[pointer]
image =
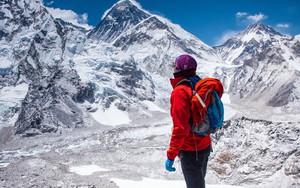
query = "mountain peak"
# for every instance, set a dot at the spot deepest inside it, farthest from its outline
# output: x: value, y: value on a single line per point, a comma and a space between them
x: 260, y: 28
x: 123, y: 15
x: 127, y: 3
x: 122, y: 5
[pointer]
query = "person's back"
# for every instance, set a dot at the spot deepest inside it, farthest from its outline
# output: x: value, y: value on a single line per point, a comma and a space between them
x: 193, y: 150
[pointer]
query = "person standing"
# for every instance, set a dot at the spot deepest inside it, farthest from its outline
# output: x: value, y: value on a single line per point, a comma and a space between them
x: 192, y: 149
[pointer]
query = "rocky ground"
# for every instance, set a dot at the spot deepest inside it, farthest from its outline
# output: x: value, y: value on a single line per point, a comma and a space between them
x: 46, y: 160
x: 247, y: 152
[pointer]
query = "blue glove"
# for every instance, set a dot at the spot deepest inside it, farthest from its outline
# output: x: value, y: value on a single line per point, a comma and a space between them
x: 169, y: 164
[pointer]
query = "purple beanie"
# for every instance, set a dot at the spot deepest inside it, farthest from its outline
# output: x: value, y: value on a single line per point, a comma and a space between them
x: 184, y: 62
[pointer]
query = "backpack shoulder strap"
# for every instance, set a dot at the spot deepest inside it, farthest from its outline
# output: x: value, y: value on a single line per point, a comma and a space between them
x: 182, y: 81
x: 199, y: 98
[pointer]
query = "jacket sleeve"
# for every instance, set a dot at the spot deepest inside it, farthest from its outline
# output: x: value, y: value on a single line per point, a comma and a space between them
x: 180, y: 112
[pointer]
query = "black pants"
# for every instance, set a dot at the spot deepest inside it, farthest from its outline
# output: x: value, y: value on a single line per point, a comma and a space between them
x: 194, y: 167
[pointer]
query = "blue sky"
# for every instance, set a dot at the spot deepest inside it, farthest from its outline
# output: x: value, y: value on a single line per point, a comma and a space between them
x: 212, y: 21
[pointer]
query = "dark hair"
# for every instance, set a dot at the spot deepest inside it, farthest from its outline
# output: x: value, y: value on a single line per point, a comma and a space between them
x: 185, y: 73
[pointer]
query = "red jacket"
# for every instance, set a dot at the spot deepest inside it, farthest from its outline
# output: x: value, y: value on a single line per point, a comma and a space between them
x: 182, y: 138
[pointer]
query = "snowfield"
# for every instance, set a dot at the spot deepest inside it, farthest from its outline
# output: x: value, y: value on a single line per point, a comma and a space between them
x: 86, y: 170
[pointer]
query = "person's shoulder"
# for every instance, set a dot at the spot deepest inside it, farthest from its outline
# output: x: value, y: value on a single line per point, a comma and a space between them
x: 182, y: 89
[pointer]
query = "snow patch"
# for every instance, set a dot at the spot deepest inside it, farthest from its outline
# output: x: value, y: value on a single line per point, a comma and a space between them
x: 149, y: 183
x: 10, y: 100
x: 111, y: 116
x: 226, y: 98
x: 153, y: 107
x: 86, y: 170
x: 5, y: 63
x: 14, y: 93
x: 297, y: 37
x: 3, y: 165
x: 229, y: 112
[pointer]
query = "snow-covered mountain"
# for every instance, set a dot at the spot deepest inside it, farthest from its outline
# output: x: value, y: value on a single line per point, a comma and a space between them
x: 37, y: 88
x: 120, y: 18
x: 135, y: 66
x: 268, y: 65
x: 151, y: 40
x: 39, y: 51
x: 112, y: 84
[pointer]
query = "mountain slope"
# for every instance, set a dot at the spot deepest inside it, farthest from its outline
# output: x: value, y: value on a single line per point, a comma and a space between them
x: 268, y: 67
x: 155, y: 43
x: 35, y: 45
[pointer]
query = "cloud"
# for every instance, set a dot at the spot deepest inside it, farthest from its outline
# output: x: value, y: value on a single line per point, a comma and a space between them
x: 84, y: 17
x: 247, y: 18
x: 283, y: 25
x: 284, y: 28
x: 225, y: 36
x: 71, y: 17
x: 50, y: 3
x: 257, y: 17
x: 241, y: 14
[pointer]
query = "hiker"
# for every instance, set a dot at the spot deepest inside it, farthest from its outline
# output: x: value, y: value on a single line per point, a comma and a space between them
x: 192, y: 149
